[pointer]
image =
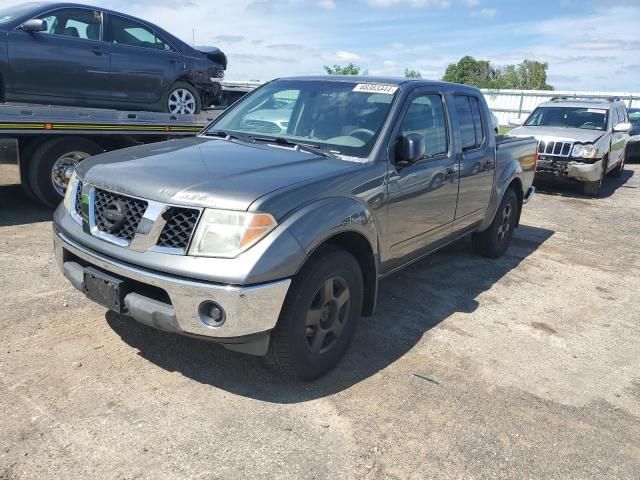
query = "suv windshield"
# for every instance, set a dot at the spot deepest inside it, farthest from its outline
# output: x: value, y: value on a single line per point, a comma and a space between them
x: 339, y: 117
x: 569, y: 117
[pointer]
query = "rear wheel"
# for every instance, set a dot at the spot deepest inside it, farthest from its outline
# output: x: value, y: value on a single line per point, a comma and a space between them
x: 182, y: 99
x: 319, y: 315
x: 52, y: 164
x: 495, y: 240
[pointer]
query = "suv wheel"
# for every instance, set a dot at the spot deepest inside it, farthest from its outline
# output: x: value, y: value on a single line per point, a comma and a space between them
x: 617, y: 172
x: 593, y: 189
x: 495, y: 240
x: 182, y: 99
x: 319, y: 315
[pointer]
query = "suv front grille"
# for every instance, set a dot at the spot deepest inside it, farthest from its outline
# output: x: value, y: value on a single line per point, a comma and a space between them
x: 179, y: 227
x: 132, y: 208
x: 554, y: 149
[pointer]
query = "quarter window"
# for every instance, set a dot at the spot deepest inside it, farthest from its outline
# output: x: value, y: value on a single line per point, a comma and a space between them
x: 129, y: 32
x: 470, y: 121
x: 425, y: 116
x: 74, y: 22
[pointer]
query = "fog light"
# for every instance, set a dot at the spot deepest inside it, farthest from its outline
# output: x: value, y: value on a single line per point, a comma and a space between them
x: 211, y: 314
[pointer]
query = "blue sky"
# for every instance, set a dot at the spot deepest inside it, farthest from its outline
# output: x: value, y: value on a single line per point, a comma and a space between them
x: 589, y: 45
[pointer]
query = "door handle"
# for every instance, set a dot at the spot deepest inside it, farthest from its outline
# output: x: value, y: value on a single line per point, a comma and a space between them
x: 99, y: 51
x: 174, y: 61
x: 451, y: 172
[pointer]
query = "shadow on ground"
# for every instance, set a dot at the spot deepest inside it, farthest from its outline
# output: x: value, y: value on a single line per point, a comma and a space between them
x: 410, y: 303
x: 568, y: 188
x: 17, y: 208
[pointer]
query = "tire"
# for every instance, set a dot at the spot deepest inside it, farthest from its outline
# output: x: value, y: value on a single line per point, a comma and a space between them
x: 617, y: 172
x: 179, y: 91
x: 593, y: 189
x: 314, y: 328
x: 47, y: 162
x: 495, y: 240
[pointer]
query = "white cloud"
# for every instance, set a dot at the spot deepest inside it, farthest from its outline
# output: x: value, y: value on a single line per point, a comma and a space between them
x: 413, y: 3
x: 327, y: 4
x: 347, y: 56
x: 485, y: 13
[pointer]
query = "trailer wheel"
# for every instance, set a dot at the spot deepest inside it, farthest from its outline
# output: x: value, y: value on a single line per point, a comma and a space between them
x: 52, y: 164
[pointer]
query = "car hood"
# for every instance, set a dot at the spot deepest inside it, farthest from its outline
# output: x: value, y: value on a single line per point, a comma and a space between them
x: 558, y: 133
x: 205, y: 172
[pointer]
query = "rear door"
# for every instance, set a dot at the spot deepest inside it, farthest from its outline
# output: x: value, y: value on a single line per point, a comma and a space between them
x: 618, y: 139
x: 69, y: 59
x: 477, y: 159
x: 143, y: 64
x: 422, y: 196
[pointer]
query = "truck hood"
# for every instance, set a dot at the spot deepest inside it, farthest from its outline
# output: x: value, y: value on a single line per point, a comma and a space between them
x: 559, y: 133
x: 205, y: 172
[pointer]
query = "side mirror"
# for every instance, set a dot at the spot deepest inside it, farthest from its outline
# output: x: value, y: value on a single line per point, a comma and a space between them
x: 34, y: 25
x: 413, y: 148
x: 623, y: 127
x: 516, y: 122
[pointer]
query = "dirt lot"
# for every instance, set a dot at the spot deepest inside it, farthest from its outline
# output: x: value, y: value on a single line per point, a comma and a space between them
x: 525, y: 367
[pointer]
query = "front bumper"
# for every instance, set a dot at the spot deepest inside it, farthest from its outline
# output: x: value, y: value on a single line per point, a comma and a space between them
x: 249, y: 311
x: 584, y: 172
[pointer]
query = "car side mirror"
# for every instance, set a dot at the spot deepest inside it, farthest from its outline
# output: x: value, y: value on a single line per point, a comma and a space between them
x: 34, y: 25
x: 623, y: 127
x: 516, y: 122
x: 412, y: 148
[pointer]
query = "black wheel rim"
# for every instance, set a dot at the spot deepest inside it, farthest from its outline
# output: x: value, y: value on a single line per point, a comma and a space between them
x: 505, y: 222
x: 327, y: 316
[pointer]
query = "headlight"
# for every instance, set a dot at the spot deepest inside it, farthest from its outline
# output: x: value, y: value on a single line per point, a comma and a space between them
x: 584, y: 151
x: 225, y: 233
x: 68, y: 194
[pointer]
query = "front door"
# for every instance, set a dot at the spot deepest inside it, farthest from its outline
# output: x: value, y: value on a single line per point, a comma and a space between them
x: 422, y: 196
x: 143, y: 65
x: 67, y: 60
x: 477, y: 160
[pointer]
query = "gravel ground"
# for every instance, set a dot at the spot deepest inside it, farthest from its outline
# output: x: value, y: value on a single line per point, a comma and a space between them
x: 524, y: 367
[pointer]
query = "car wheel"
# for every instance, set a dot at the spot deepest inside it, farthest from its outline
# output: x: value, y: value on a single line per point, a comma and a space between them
x: 319, y: 315
x: 617, y: 172
x: 593, y: 189
x: 182, y: 99
x: 52, y: 164
x: 495, y: 240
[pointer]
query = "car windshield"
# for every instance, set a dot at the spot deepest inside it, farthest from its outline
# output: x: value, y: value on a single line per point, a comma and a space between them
x: 342, y: 118
x: 569, y: 117
x: 8, y: 14
x: 634, y: 116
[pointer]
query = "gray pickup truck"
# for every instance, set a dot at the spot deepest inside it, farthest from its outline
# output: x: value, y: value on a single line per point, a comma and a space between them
x: 269, y: 231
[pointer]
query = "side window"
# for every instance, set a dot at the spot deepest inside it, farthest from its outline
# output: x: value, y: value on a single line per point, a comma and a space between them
x: 426, y: 117
x: 129, y: 32
x: 470, y: 120
x: 74, y: 22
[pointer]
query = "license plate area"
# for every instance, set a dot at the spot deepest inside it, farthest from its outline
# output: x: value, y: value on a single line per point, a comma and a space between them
x: 105, y: 289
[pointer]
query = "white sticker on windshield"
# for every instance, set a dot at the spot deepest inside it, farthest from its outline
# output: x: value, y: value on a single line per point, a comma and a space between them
x: 375, y: 88
x: 596, y: 110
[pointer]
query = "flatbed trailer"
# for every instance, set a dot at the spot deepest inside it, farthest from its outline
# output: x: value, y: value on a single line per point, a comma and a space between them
x: 40, y: 144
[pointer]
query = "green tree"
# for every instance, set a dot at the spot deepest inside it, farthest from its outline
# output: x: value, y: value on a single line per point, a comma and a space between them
x: 350, y: 69
x: 470, y: 71
x: 412, y: 73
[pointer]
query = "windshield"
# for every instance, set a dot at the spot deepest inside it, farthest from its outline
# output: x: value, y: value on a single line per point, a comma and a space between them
x: 569, y: 117
x: 634, y: 116
x: 339, y: 117
x: 11, y: 13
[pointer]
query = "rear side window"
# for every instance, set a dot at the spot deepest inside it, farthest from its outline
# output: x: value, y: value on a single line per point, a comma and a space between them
x: 129, y: 32
x: 470, y: 120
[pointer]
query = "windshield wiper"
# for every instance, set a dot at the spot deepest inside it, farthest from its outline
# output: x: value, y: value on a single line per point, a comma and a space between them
x: 229, y: 135
x: 308, y: 147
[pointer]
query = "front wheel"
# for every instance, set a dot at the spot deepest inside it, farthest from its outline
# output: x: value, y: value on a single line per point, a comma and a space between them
x: 319, y: 315
x: 182, y: 99
x: 495, y: 240
x: 617, y: 172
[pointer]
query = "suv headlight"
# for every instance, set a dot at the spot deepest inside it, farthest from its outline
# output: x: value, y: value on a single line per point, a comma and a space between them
x: 68, y: 194
x: 225, y: 233
x: 584, y: 151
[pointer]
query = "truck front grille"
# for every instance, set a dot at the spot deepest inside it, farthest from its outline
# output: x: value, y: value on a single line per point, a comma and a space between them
x: 554, y: 149
x: 179, y: 227
x: 130, y: 211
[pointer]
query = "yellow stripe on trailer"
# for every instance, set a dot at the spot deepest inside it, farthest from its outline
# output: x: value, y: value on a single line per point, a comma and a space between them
x: 98, y: 127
